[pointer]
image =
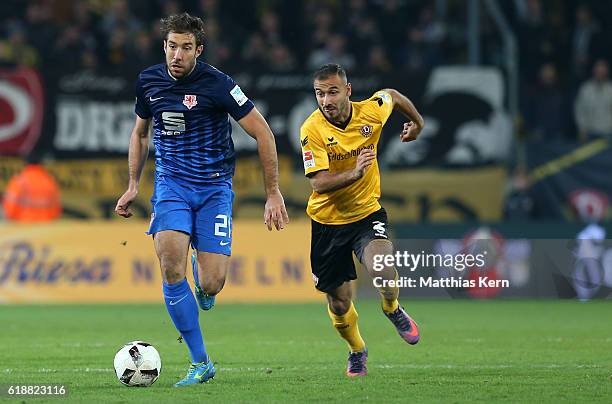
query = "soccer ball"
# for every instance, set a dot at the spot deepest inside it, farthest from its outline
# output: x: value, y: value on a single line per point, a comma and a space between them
x: 137, y: 364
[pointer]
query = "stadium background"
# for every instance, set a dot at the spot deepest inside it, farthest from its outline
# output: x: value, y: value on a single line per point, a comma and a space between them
x: 503, y: 160
x: 503, y: 153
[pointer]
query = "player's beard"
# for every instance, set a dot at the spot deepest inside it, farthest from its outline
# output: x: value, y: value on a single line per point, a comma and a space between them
x: 180, y: 70
x: 330, y: 115
x: 335, y: 114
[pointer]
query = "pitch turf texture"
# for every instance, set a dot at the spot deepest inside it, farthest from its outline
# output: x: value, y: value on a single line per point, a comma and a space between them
x: 471, y: 351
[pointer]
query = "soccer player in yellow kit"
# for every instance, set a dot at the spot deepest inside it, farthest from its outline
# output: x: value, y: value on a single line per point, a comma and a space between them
x: 339, y: 142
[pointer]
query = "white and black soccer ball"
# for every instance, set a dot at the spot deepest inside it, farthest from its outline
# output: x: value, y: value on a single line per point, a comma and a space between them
x: 137, y: 364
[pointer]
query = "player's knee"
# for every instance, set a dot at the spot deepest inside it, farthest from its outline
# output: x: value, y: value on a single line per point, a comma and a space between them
x: 339, y: 306
x: 374, y: 256
x: 171, y: 268
x: 172, y: 276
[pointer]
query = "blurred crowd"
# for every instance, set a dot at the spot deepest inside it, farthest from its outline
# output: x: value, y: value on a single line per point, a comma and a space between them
x: 564, y: 46
x: 565, y: 49
x: 273, y: 35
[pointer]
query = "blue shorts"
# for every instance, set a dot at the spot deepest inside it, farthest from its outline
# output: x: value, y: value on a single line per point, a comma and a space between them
x: 202, y: 211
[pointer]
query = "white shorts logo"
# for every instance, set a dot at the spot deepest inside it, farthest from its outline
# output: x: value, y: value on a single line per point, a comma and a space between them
x: 315, y: 279
x: 379, y: 228
x: 238, y: 96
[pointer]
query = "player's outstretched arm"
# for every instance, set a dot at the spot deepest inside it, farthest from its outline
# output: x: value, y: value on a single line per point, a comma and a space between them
x: 325, y: 181
x: 403, y: 104
x: 137, y: 157
x: 257, y: 127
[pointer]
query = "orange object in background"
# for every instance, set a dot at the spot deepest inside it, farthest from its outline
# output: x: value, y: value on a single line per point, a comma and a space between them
x: 32, y: 196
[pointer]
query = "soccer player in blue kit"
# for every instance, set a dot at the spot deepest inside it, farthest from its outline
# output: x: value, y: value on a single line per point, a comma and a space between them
x: 189, y: 102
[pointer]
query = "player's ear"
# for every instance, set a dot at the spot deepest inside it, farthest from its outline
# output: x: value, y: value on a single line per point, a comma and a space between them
x: 349, y: 89
x: 199, y: 50
x: 165, y: 43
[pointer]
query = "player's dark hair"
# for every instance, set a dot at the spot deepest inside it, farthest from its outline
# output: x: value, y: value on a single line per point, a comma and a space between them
x: 329, y: 70
x: 183, y: 24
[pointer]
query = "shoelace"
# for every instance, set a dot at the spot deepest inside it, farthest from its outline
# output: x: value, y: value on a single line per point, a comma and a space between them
x: 355, y: 362
x: 192, y: 369
x: 401, y: 320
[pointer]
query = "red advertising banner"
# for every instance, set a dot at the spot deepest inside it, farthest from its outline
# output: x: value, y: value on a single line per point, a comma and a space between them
x: 21, y: 110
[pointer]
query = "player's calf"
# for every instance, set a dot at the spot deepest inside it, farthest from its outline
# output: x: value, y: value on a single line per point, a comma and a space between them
x: 205, y: 300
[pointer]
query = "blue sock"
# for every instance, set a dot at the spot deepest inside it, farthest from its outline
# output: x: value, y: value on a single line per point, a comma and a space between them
x: 184, y: 313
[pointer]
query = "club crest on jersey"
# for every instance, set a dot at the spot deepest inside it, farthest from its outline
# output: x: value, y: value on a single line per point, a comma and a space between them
x: 190, y: 101
x: 366, y: 130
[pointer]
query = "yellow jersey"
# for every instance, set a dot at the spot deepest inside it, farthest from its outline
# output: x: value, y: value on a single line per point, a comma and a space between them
x: 326, y: 146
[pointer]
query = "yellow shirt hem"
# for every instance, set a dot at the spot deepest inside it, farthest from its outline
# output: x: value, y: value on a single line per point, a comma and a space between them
x: 368, y: 212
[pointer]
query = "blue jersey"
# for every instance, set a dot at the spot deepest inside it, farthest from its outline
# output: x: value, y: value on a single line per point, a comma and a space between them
x: 192, y: 133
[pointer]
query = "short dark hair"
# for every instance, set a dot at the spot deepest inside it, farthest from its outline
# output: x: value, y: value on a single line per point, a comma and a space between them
x: 328, y: 70
x: 183, y: 24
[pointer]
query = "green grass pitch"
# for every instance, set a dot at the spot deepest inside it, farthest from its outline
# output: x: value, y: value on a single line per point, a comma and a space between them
x: 470, y: 351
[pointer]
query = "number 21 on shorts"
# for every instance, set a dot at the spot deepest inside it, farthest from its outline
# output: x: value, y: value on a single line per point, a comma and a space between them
x: 223, y: 226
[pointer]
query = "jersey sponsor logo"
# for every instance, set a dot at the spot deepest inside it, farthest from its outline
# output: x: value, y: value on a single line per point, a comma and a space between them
x: 190, y: 101
x: 174, y: 123
x: 304, y: 141
x: 331, y: 141
x: 366, y: 131
x: 379, y: 229
x: 309, y: 160
x: 348, y: 154
x: 238, y: 96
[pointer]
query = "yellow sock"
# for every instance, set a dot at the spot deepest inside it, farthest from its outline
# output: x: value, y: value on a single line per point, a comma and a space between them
x: 346, y: 326
x: 389, y: 297
x: 389, y: 306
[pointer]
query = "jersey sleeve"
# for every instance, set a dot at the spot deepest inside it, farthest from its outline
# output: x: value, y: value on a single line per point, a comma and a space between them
x: 141, y: 107
x: 314, y: 154
x: 233, y: 100
x: 384, y: 105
